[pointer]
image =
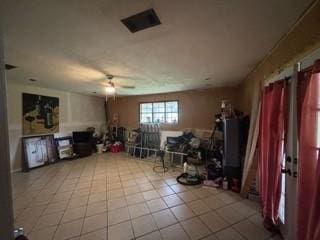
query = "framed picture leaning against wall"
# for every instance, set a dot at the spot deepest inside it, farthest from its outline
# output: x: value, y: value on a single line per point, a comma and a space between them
x: 38, y: 151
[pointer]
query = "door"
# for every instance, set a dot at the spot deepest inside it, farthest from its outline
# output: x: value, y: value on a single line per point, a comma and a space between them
x: 287, y: 208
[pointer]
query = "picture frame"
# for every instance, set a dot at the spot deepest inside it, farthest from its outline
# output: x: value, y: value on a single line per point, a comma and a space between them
x: 38, y: 151
x: 64, y: 146
x: 40, y: 114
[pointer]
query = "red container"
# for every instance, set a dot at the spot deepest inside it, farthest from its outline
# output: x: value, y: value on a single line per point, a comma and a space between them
x: 116, y: 148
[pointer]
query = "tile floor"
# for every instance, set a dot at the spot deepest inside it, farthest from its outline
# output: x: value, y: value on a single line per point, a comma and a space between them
x: 114, y: 197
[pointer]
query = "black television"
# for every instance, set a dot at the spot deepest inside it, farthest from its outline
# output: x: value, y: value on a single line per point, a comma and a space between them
x: 81, y: 136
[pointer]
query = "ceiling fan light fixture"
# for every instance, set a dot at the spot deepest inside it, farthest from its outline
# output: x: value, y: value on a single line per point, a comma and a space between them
x: 110, y: 90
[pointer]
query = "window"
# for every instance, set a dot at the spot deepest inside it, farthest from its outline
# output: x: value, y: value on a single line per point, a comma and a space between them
x: 159, y: 112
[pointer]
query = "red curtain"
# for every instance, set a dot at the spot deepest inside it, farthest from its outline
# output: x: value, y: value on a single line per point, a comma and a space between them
x: 309, y: 159
x: 271, y: 143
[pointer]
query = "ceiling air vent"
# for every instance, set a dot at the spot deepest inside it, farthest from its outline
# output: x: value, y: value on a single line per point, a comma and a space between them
x: 141, y: 21
x: 9, y: 67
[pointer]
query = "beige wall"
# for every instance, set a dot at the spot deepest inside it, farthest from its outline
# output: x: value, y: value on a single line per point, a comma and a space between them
x: 77, y: 112
x: 303, y: 38
x: 196, y: 108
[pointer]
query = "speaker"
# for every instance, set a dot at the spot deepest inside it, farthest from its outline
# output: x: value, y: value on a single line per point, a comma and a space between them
x: 231, y: 158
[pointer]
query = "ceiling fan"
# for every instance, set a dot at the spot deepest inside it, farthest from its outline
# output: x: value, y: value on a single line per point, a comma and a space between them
x: 111, y: 86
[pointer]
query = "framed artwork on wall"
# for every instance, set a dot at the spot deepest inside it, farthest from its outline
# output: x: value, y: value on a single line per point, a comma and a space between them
x: 40, y: 114
x: 38, y: 151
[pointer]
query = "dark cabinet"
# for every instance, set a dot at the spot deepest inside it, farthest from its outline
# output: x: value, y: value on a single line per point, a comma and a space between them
x: 231, y: 153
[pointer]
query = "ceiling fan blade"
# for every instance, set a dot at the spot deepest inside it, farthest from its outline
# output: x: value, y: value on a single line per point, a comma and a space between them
x: 124, y: 86
x: 128, y: 77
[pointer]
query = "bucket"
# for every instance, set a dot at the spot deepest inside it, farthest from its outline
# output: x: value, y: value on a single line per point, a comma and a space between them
x: 99, y: 147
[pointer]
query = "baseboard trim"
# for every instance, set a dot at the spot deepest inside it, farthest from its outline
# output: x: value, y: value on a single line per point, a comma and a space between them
x: 16, y: 170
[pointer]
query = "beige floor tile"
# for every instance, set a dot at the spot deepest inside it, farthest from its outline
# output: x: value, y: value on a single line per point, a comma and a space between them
x: 68, y: 230
x: 158, y: 184
x: 143, y: 225
x: 32, y: 212
x: 177, y: 188
x: 173, y: 232
x: 171, y: 181
x: 113, y: 186
x: 245, y: 207
x: 213, y: 203
x: 96, y: 208
x: 78, y: 202
x: 229, y: 214
x: 229, y: 234
x: 126, y: 177
x: 97, y: 197
x: 153, y: 176
x: 61, y: 197
x: 187, y: 196
x: 172, y: 200
x: 98, y: 186
x: 214, y: 221
x: 48, y: 220
x: 138, y: 210
x: 211, y: 237
x: 66, y: 188
x: 198, y: 207
x: 122, y: 231
x: 229, y: 197
x: 43, y: 233
x: 94, y: 223
x: 84, y: 179
x: 135, y: 198
x: 251, y: 231
x: 40, y: 200
x: 116, y: 203
x: 257, y: 219
x: 56, y: 207
x: 165, y: 191
x: 201, y: 192
x: 118, y: 215
x: 131, y: 190
x: 142, y: 180
x: 146, y: 187
x: 149, y: 195
x: 182, y: 212
x: 151, y: 236
x: 156, y: 205
x: 113, y: 179
x: 164, y: 218
x: 195, y: 228
x: 83, y: 185
x: 81, y: 193
x: 72, y: 214
x: 98, y: 189
x: 96, y: 235
x: 115, y: 194
x: 128, y: 183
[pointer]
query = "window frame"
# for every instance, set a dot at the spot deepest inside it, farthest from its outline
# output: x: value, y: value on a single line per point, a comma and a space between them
x: 165, y: 111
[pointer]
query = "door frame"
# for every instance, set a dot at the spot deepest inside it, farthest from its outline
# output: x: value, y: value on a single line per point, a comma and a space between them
x: 6, y: 209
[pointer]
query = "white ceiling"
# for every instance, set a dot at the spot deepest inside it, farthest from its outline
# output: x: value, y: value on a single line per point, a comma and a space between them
x: 69, y: 44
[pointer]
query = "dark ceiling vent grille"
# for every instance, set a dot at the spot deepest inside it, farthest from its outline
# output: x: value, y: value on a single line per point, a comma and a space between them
x: 141, y: 21
x: 9, y: 67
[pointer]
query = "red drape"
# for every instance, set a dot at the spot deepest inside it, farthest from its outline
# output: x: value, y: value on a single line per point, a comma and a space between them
x: 309, y: 160
x: 272, y: 127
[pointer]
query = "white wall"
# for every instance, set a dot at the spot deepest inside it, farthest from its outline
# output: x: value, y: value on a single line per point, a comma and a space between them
x: 77, y: 112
